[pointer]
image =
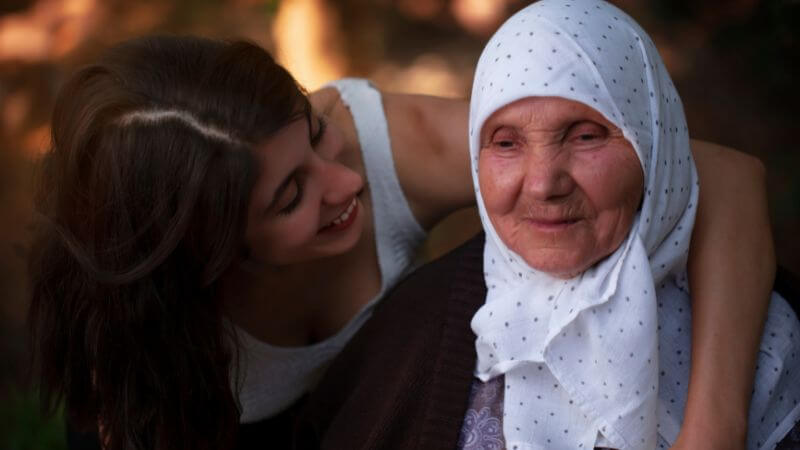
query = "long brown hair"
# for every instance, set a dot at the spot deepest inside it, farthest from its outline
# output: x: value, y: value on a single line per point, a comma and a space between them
x: 143, y: 201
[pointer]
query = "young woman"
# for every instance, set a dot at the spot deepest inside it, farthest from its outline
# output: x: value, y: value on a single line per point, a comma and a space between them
x: 211, y: 237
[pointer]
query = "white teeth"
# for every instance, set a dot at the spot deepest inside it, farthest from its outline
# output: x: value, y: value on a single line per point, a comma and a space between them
x: 346, y: 214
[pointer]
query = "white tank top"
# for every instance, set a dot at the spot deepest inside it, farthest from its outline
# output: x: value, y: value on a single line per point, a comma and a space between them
x: 273, y: 378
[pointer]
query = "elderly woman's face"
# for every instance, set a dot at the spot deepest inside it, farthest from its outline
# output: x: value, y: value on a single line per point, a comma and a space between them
x: 560, y: 183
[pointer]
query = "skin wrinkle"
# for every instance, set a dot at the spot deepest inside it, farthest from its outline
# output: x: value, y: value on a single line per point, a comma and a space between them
x: 551, y: 162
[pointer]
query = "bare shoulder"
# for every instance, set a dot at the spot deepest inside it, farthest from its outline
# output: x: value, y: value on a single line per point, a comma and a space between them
x: 710, y: 155
x: 425, y: 122
x: 417, y: 123
x: 430, y: 148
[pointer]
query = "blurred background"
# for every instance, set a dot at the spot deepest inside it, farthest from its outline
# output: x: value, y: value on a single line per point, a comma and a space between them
x: 734, y: 62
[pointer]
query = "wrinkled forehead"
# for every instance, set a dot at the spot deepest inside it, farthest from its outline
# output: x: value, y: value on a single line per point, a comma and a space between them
x: 542, y: 114
x: 586, y: 51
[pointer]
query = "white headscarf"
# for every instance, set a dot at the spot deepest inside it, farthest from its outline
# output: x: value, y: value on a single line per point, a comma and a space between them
x: 581, y: 356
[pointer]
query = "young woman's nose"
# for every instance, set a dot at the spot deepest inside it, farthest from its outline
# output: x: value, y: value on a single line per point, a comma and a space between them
x: 547, y: 177
x: 340, y: 183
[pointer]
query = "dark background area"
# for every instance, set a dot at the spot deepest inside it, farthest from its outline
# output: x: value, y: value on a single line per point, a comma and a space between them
x: 734, y: 62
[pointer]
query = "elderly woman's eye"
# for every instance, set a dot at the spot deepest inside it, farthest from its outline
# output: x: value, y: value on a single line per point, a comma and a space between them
x: 503, y: 138
x: 587, y: 132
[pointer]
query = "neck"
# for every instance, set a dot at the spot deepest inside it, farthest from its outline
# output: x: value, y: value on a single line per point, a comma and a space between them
x: 303, y: 303
x: 267, y: 304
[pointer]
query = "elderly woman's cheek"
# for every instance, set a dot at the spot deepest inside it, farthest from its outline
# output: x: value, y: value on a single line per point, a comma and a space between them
x: 611, y: 181
x: 499, y: 179
x: 623, y: 185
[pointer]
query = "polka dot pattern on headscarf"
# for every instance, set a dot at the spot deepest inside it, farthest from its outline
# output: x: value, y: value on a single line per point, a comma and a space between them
x: 581, y: 357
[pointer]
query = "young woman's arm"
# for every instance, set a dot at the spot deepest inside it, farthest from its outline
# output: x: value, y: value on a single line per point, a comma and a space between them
x: 731, y: 259
x: 431, y: 154
x: 731, y: 270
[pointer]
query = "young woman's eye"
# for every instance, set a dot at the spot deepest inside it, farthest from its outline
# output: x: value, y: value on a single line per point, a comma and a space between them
x: 317, y: 136
x: 291, y: 197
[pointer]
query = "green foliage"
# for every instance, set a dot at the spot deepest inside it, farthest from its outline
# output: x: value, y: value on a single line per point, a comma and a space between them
x: 24, y: 427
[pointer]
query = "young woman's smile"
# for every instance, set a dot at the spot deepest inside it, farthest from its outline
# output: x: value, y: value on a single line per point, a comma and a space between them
x: 343, y: 220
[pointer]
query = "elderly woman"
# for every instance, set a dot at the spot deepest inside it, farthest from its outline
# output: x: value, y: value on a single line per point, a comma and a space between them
x: 587, y: 191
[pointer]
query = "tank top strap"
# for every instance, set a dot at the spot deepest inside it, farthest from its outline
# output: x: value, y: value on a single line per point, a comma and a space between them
x: 397, y: 232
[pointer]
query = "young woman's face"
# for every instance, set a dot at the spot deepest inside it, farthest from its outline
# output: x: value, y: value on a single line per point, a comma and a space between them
x: 560, y: 183
x: 304, y: 203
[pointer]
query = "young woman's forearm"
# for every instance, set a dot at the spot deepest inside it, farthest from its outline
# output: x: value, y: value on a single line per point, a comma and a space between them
x: 731, y: 270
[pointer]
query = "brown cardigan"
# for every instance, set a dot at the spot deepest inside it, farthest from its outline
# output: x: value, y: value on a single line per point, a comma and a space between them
x: 403, y: 381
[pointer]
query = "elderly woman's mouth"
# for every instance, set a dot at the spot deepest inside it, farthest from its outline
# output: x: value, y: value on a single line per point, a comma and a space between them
x: 551, y: 225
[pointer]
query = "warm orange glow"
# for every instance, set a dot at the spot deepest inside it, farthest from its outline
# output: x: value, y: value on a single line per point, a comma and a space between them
x: 421, y: 9
x: 479, y: 17
x: 50, y: 28
x: 308, y: 42
x: 15, y: 108
x: 22, y: 39
x: 428, y: 74
x: 36, y: 141
x: 144, y: 16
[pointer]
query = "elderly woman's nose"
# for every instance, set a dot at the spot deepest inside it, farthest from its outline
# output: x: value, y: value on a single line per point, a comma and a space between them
x: 546, y: 177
